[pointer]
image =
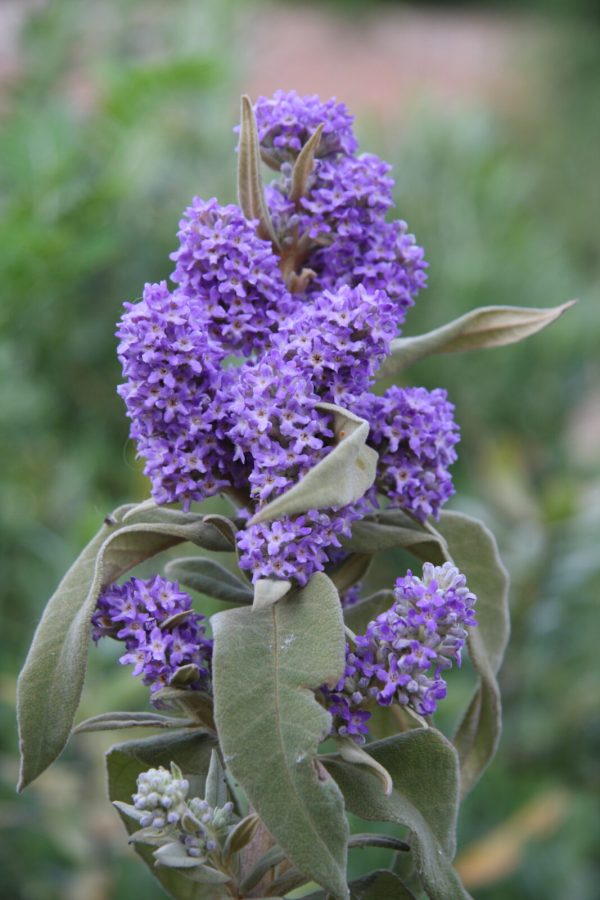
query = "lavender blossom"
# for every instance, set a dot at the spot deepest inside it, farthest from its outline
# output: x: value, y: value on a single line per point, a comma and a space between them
x: 141, y: 613
x: 286, y: 121
x: 403, y: 652
x: 230, y: 274
x: 415, y: 434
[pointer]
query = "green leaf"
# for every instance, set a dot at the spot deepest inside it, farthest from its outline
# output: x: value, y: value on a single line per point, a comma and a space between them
x: 113, y: 720
x: 391, y: 529
x: 304, y: 165
x: 350, y: 571
x: 251, y: 195
x: 192, y: 751
x: 50, y: 684
x: 215, y: 787
x: 241, y: 835
x: 340, y: 478
x: 352, y: 752
x: 266, y: 664
x: 268, y: 591
x: 424, y: 769
x: 489, y: 326
x: 209, y: 577
x: 473, y: 549
x: 379, y: 885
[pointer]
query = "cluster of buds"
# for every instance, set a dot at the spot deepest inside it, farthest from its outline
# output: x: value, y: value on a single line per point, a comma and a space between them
x: 404, y: 650
x: 189, y: 833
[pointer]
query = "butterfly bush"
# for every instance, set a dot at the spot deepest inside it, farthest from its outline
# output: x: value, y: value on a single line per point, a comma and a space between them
x: 253, y: 374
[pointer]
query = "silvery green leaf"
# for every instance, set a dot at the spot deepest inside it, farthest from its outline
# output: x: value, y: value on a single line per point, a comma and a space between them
x: 251, y: 195
x: 352, y: 752
x: 113, y: 720
x: 241, y: 834
x: 225, y: 525
x: 358, y: 616
x: 185, y: 675
x: 352, y: 570
x: 209, y: 577
x: 152, y: 837
x: 174, y: 856
x: 192, y: 750
x: 340, y: 478
x: 490, y: 326
x: 129, y: 810
x: 266, y: 665
x: 215, y: 788
x: 393, y: 528
x: 51, y: 681
x: 203, y: 874
x: 423, y: 766
x: 473, y: 549
x: 304, y: 165
x: 268, y: 591
x: 198, y: 705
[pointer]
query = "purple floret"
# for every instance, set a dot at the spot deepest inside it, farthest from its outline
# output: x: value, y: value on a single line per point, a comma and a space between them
x: 415, y: 434
x: 137, y: 613
x: 403, y: 652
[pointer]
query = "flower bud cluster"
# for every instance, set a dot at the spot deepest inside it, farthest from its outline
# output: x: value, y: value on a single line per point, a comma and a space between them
x: 160, y: 630
x: 169, y: 818
x: 401, y: 656
x: 160, y: 797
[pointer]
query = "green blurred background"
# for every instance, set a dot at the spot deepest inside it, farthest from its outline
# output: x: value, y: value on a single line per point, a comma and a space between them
x: 112, y: 115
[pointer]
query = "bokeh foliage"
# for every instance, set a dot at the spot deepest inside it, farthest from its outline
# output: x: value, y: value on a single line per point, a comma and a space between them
x: 121, y: 112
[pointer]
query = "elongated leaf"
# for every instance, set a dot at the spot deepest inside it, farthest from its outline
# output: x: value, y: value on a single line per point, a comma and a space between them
x: 304, y: 165
x: 113, y: 720
x: 473, y: 548
x: 50, y: 684
x: 379, y: 885
x: 265, y: 664
x: 391, y: 529
x: 210, y: 578
x: 424, y: 769
x: 251, y: 195
x: 340, y: 478
x: 268, y: 591
x: 126, y: 761
x: 490, y: 326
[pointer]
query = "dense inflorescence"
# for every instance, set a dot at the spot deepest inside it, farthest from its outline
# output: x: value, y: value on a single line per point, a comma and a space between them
x: 403, y: 652
x: 309, y: 318
x: 161, y: 631
x: 414, y: 432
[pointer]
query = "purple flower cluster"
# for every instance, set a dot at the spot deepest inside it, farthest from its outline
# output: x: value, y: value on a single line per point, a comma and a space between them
x: 403, y: 652
x: 231, y: 275
x: 415, y: 434
x: 339, y: 340
x: 279, y: 434
x: 160, y: 630
x: 172, y: 392
x: 286, y: 121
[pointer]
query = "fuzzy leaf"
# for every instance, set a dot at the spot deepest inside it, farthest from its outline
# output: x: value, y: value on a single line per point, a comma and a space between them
x: 192, y: 751
x: 50, y: 684
x: 304, y: 165
x: 473, y: 549
x: 340, y: 478
x: 209, y: 577
x: 241, y: 834
x: 113, y: 720
x: 391, y: 529
x: 268, y: 591
x: 490, y: 326
x: 424, y: 769
x: 251, y: 196
x: 265, y: 664
x: 215, y: 788
x: 379, y: 885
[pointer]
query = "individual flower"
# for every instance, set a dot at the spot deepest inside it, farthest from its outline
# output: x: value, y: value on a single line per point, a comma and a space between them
x: 230, y: 274
x: 401, y: 656
x: 161, y: 631
x: 414, y: 432
x: 173, y: 393
x: 286, y: 121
